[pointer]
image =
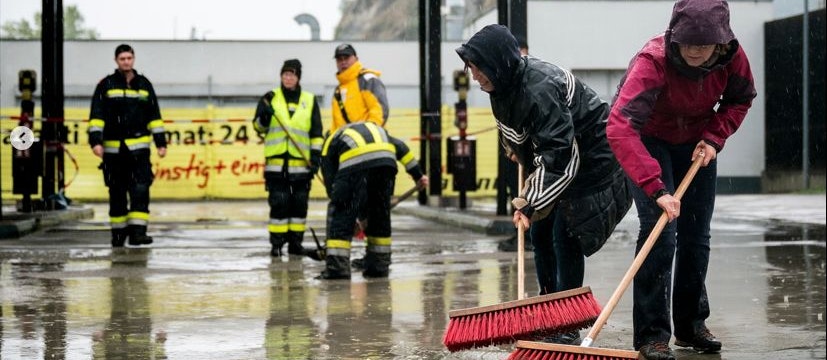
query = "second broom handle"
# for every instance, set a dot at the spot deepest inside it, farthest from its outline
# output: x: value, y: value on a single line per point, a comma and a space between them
x: 641, y: 256
x: 520, y: 242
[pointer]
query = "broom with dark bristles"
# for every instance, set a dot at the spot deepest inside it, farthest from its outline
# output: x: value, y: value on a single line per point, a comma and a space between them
x: 543, y: 351
x: 549, y: 314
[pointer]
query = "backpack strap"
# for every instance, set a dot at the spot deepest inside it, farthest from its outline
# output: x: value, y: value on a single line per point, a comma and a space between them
x: 338, y: 96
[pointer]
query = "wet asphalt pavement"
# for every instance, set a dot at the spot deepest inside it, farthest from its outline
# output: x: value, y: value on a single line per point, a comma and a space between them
x: 208, y: 289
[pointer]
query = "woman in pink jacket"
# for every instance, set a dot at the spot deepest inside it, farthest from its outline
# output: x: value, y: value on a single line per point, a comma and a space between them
x: 683, y: 95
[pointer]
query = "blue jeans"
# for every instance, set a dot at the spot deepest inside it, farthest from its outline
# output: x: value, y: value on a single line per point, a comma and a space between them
x: 558, y: 258
x: 684, y: 241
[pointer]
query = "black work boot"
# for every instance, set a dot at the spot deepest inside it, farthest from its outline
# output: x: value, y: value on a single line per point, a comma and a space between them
x: 656, y: 351
x: 337, y: 267
x: 138, y: 236
x: 376, y: 265
x: 294, y: 243
x: 702, y: 341
x: 358, y: 263
x: 119, y: 237
x: 277, y: 242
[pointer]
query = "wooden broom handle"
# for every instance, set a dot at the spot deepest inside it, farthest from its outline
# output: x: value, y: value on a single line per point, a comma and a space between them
x: 641, y: 256
x: 405, y: 195
x: 295, y: 144
x: 520, y: 242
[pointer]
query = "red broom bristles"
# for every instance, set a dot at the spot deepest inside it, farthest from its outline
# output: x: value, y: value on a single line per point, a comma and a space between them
x: 537, y: 316
x: 527, y: 350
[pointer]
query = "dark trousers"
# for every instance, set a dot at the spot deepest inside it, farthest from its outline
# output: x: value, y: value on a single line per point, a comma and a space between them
x: 128, y: 174
x: 288, y: 207
x: 684, y: 241
x: 344, y: 206
x: 558, y: 258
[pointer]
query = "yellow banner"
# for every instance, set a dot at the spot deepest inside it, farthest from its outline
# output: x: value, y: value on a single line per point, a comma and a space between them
x: 214, y: 153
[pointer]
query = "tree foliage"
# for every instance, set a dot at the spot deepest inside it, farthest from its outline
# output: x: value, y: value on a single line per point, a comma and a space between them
x: 73, y: 27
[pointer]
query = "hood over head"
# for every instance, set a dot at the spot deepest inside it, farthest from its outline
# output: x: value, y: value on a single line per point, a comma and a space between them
x: 700, y: 22
x: 495, y: 52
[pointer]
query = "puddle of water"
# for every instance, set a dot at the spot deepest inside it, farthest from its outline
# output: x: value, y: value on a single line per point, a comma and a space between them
x: 196, y: 298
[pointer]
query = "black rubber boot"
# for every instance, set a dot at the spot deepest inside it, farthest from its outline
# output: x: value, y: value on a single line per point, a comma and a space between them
x: 294, y: 243
x: 358, y: 264
x: 376, y: 265
x: 277, y: 242
x: 119, y: 237
x: 138, y: 236
x: 337, y: 267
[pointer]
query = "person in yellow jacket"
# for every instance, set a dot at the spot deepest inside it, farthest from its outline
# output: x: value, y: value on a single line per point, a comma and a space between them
x: 291, y: 123
x: 361, y: 95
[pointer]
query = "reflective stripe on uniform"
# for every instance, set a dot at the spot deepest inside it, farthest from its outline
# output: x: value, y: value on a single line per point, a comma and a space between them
x: 129, y: 93
x: 294, y: 166
x: 297, y: 224
x: 338, y: 247
x: 277, y: 226
x: 367, y: 153
x: 117, y: 222
x: 112, y: 146
x: 96, y: 125
x: 137, y: 218
x: 156, y: 126
x: 379, y: 245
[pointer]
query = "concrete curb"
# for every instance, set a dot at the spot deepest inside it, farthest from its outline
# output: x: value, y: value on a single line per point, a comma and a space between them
x: 763, y: 209
x: 16, y: 224
x: 468, y: 219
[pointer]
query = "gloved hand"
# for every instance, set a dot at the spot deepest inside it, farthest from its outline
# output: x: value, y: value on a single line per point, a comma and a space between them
x: 315, y: 160
x: 529, y: 211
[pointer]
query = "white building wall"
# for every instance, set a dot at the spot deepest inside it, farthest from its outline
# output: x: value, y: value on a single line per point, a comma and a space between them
x: 596, y: 39
x: 221, y: 68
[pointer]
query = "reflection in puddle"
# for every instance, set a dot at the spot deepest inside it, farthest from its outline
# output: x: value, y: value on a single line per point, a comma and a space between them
x: 205, y: 300
x: 796, y: 278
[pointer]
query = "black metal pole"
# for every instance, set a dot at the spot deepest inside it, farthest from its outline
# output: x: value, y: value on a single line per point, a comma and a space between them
x: 52, y: 59
x: 430, y: 95
x: 805, y: 97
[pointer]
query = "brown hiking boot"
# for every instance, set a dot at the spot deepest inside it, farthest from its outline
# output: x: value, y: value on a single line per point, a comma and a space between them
x: 656, y: 351
x: 703, y: 341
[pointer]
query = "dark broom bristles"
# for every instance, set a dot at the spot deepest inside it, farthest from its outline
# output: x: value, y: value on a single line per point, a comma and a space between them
x: 533, y: 317
x: 527, y: 350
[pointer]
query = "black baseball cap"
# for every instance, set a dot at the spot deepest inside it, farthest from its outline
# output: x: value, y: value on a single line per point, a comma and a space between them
x: 344, y: 50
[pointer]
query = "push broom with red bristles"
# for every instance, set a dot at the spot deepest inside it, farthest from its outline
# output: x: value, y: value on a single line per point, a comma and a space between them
x: 529, y: 350
x: 503, y: 323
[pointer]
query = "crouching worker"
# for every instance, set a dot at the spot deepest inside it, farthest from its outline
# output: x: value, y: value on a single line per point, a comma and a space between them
x: 362, y: 155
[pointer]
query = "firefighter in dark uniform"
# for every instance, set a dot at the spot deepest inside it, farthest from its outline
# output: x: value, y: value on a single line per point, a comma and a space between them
x: 292, y: 124
x: 123, y: 122
x: 362, y: 155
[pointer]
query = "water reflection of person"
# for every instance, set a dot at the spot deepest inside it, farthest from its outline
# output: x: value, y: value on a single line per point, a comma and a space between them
x: 288, y: 331
x: 50, y: 311
x: 358, y: 320
x: 128, y: 333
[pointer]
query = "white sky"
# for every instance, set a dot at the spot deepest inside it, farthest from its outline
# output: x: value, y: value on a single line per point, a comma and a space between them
x: 173, y: 19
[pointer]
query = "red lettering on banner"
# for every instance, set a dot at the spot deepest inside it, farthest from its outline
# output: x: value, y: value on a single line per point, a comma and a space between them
x: 199, y: 170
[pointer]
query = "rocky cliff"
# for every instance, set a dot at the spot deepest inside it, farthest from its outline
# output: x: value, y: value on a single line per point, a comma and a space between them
x: 392, y: 20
